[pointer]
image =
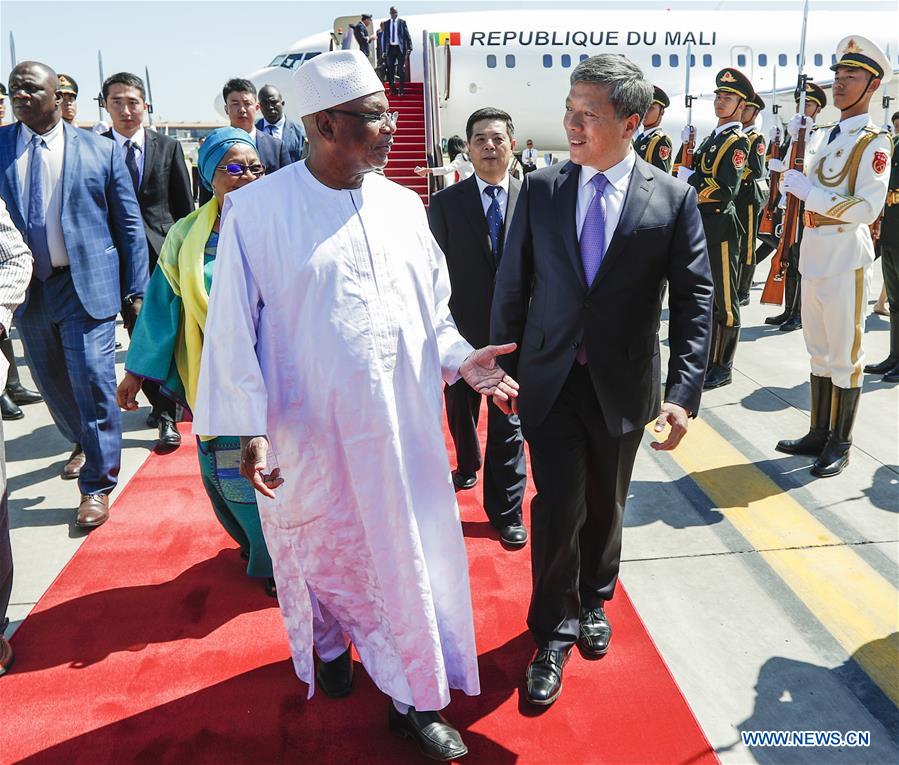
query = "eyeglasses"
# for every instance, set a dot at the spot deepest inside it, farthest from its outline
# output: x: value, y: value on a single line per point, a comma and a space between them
x: 387, y: 118
x: 235, y: 169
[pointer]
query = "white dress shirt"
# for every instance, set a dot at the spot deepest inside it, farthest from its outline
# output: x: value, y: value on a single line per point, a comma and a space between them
x: 726, y: 125
x: 278, y: 127
x: 619, y: 177
x: 51, y: 173
x: 529, y: 156
x: 139, y: 140
x: 502, y: 196
x: 393, y: 25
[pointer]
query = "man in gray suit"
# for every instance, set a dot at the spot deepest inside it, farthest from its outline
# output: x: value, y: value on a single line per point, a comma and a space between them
x: 579, y: 289
x: 469, y: 221
x: 15, y: 273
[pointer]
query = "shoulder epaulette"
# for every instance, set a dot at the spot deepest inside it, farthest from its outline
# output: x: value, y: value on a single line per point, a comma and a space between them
x: 827, y: 125
x: 876, y: 129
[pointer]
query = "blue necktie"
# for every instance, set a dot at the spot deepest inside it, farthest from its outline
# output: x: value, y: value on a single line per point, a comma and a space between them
x: 495, y: 222
x: 833, y: 134
x: 131, y: 164
x: 37, y: 213
x: 593, y: 241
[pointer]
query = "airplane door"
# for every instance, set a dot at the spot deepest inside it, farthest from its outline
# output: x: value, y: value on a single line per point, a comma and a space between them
x: 741, y: 58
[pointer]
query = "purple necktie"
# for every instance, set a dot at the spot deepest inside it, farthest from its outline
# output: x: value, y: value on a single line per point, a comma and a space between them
x: 593, y: 242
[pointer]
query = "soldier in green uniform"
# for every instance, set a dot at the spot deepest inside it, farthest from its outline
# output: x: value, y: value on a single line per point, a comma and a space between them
x: 718, y: 165
x: 791, y: 317
x: 652, y: 144
x: 888, y: 245
x: 752, y: 194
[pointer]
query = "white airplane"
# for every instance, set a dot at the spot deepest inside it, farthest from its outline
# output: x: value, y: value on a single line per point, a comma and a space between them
x: 521, y: 61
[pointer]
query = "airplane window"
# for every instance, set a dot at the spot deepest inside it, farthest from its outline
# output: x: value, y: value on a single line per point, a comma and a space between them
x: 656, y: 60
x: 566, y: 60
x: 583, y: 57
x: 692, y: 60
x: 510, y: 61
x: 707, y: 59
x: 276, y: 61
x: 672, y: 59
x: 782, y: 59
x: 763, y: 59
x: 292, y: 61
x: 313, y: 54
x: 491, y: 61
x: 819, y: 59
x: 547, y: 61
x: 741, y: 59
x: 797, y: 59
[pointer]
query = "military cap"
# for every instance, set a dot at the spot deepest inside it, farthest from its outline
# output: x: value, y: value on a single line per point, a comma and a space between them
x: 67, y: 84
x: 860, y: 52
x: 734, y: 81
x: 813, y: 93
x: 757, y: 101
x: 660, y: 97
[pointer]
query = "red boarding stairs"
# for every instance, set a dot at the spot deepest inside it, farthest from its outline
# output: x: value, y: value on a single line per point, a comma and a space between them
x: 409, y: 140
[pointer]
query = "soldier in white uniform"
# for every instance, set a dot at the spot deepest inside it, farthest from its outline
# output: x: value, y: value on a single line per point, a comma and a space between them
x: 847, y: 176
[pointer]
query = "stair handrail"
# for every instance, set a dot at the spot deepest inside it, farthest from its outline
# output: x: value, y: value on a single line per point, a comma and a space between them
x: 433, y: 149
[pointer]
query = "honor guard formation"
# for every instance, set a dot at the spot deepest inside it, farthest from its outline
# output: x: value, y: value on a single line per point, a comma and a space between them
x: 342, y: 308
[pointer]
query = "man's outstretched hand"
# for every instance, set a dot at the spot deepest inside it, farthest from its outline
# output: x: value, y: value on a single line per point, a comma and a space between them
x: 253, y: 459
x: 482, y: 373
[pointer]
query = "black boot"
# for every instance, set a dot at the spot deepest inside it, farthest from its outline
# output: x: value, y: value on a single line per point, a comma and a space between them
x: 9, y: 409
x: 17, y: 392
x: 746, y: 272
x: 890, y: 362
x: 835, y: 456
x: 714, y: 347
x: 813, y: 442
x: 794, y: 322
x: 722, y: 370
x: 789, y: 297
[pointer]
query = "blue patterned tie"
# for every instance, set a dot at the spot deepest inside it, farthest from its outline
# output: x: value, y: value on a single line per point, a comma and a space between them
x: 495, y: 222
x: 37, y: 213
x: 593, y: 241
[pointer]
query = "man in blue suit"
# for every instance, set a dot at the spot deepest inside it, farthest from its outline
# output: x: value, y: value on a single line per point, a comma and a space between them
x: 274, y: 122
x: 241, y: 106
x: 70, y: 195
x: 394, y: 45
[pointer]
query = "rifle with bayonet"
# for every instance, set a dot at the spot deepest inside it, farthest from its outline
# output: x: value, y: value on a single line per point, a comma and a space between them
x: 769, y: 214
x: 688, y: 148
x: 773, y: 293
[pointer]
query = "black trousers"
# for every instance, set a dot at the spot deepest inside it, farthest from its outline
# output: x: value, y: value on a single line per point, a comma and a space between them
x: 396, y: 66
x: 582, y: 474
x: 505, y: 473
x: 722, y: 235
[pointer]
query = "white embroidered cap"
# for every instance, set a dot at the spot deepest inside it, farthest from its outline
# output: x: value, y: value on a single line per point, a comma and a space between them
x: 334, y: 78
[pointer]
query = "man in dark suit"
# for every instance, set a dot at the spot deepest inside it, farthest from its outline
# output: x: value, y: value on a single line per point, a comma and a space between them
x: 394, y: 45
x: 579, y: 289
x: 275, y: 123
x: 69, y: 193
x: 159, y: 175
x: 362, y: 34
x: 242, y: 108
x: 469, y: 221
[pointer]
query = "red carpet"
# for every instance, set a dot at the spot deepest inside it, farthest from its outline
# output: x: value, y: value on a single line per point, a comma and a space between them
x: 153, y: 647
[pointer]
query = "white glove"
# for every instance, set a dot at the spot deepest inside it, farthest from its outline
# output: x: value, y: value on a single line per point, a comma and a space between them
x: 683, y: 173
x: 796, y: 183
x: 774, y: 134
x: 775, y: 165
x: 793, y: 126
x: 686, y: 134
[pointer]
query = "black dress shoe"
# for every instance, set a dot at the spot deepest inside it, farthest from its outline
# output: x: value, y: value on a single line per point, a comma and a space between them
x: 22, y: 395
x: 336, y: 677
x: 717, y: 377
x: 436, y: 738
x: 463, y: 480
x: 595, y: 632
x: 515, y: 534
x: 168, y: 432
x: 882, y: 367
x: 792, y: 324
x: 892, y: 376
x: 544, y: 676
x: 10, y: 409
x: 152, y: 420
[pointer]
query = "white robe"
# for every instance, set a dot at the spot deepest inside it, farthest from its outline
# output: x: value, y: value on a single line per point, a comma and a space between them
x: 329, y: 330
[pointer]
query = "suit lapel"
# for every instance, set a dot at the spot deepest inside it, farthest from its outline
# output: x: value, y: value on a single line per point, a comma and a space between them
x: 8, y: 147
x: 149, y: 154
x: 639, y: 190
x: 474, y: 211
x: 70, y: 162
x: 565, y: 198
